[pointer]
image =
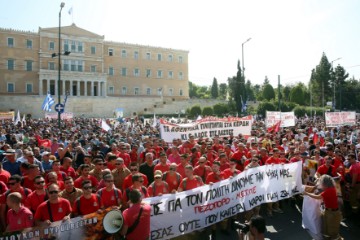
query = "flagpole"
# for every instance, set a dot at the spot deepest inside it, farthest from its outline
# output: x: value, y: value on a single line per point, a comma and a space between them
x: 59, y: 65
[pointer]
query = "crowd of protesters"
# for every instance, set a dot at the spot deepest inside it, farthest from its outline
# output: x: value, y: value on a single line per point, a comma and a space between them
x: 49, y: 174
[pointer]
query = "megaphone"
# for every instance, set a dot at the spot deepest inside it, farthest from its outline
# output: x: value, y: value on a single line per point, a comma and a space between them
x: 113, y: 221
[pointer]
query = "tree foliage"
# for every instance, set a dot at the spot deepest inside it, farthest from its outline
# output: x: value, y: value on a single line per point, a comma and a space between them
x: 237, y: 88
x: 265, y: 106
x: 320, y: 82
x: 195, y: 111
x: 207, y: 111
x: 297, y: 94
x: 214, y: 89
x: 220, y: 109
x: 223, y: 89
x: 268, y: 92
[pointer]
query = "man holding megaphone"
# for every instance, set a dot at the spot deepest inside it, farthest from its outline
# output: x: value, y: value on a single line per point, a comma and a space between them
x: 136, y: 218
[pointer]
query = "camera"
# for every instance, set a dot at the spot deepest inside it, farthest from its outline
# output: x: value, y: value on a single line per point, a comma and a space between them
x: 244, y: 228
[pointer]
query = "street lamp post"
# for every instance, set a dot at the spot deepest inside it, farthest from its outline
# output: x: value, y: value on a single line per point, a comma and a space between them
x: 334, y: 97
x: 59, y: 65
x: 242, y: 54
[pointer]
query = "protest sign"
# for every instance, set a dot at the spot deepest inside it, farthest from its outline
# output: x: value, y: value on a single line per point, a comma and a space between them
x: 206, y: 127
x: 176, y: 214
x: 64, y: 116
x: 287, y: 119
x: 7, y: 115
x: 334, y: 119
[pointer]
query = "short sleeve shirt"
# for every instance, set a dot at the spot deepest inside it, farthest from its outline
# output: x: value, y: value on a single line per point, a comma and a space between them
x: 58, y: 210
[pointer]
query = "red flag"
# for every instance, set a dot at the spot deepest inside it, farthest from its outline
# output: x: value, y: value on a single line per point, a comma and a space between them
x: 310, y: 131
x: 275, y: 128
x: 322, y: 141
x: 315, y: 138
x: 43, y: 142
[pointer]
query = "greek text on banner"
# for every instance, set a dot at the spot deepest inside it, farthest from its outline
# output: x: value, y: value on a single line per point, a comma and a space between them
x: 206, y: 128
x: 185, y: 212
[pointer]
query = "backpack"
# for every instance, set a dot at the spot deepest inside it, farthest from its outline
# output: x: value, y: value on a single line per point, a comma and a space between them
x: 99, y: 193
x: 177, y: 176
x: 78, y: 203
x: 153, y: 186
x: 196, y: 177
x: 127, y: 191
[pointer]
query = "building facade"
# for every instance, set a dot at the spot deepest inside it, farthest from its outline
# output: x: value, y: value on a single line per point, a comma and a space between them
x: 94, y: 68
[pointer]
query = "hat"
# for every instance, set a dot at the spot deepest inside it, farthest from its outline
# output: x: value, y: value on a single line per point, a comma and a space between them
x: 10, y: 152
x: 158, y: 173
x: 45, y: 153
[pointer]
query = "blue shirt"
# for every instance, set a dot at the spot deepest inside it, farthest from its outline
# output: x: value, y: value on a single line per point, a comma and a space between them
x: 12, y: 168
x: 47, y: 165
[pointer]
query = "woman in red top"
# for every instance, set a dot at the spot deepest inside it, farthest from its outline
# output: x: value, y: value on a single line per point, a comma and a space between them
x: 331, y: 217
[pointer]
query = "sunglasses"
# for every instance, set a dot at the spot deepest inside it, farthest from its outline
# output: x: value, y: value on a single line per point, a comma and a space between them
x: 157, y: 177
x: 172, y: 169
x: 53, y: 192
x: 42, y: 182
x: 201, y: 162
x: 87, y: 188
x: 12, y: 183
x: 141, y: 181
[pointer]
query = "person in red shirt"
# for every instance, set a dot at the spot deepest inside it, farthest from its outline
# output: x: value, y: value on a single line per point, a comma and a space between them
x: 14, y: 186
x: 84, y: 175
x: 157, y: 148
x: 89, y: 202
x: 56, y: 168
x: 231, y: 171
x: 202, y: 170
x: 216, y: 175
x: 224, y: 162
x: 172, y: 178
x: 327, y: 168
x: 28, y: 180
x: 183, y: 163
x: 18, y: 216
x: 217, y: 145
x: 138, y: 184
x: 134, y: 169
x: 137, y: 210
x: 134, y: 156
x: 332, y: 216
x: 35, y: 198
x: 274, y: 159
x: 67, y: 167
x: 124, y: 155
x: 210, y: 155
x: 54, y: 209
x: 238, y: 156
x: 111, y: 161
x: 158, y: 187
x: 114, y: 149
x: 228, y: 151
x: 174, y: 156
x: 354, y: 184
x: 110, y: 196
x: 52, y: 178
x: 4, y: 175
x: 163, y: 165
x: 191, y: 181
x: 296, y: 157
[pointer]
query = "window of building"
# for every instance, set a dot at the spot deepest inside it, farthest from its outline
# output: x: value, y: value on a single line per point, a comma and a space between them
x: 51, y: 66
x: 159, y: 73
x: 159, y: 57
x: 29, y: 44
x: 170, y: 58
x: 10, y: 42
x: 28, y: 65
x: 148, y: 73
x: 73, y: 65
x: 66, y: 45
x: 111, y: 52
x: 148, y: 56
x: 136, y: 91
x: 170, y: 74
x: 66, y: 65
x: 51, y: 45
x: 180, y: 59
x: 181, y: 75
x: 136, y: 72
x: 29, y: 88
x: 171, y: 91
x: 123, y: 53
x: 180, y: 92
x: 80, y: 47
x: 124, y: 90
x: 73, y: 46
x: 11, y: 87
x: 148, y: 91
x: 136, y: 55
x: 159, y: 91
x: 111, y: 90
x: 123, y: 72
x: 111, y: 71
x: 10, y: 64
x: 80, y: 65
x: 93, y: 68
x: 93, y: 50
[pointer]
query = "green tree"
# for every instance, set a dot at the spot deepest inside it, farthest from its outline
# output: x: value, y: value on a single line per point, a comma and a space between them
x: 297, y: 94
x: 237, y: 88
x: 250, y: 91
x: 268, y: 92
x: 320, y: 82
x: 339, y: 77
x: 220, y: 109
x: 223, y: 89
x: 214, y: 89
x: 207, y: 111
x: 192, y: 89
x: 195, y: 111
x: 286, y: 93
x: 265, y: 106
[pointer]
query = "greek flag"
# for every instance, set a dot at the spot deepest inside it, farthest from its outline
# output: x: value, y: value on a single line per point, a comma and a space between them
x: 65, y: 99
x: 48, y: 102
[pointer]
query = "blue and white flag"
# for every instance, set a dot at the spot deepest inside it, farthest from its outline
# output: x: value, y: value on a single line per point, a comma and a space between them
x: 243, y: 105
x: 65, y: 99
x: 48, y: 102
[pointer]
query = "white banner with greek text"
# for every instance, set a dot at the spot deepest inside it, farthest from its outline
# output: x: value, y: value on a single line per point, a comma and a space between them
x: 287, y: 119
x: 334, y: 119
x: 206, y: 127
x: 176, y: 214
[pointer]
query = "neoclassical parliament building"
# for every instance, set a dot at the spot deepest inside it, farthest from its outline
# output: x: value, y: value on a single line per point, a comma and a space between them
x: 94, y: 72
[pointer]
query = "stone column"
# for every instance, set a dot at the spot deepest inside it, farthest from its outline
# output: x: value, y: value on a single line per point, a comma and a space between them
x: 85, y: 88
x: 92, y: 88
x: 40, y: 87
x: 105, y: 89
x: 98, y: 89
x: 78, y: 89
x: 64, y: 86
x: 48, y: 86
x: 71, y: 88
x: 56, y: 87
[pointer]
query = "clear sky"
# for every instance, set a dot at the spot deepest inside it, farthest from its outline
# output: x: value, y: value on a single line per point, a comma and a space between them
x: 288, y: 37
